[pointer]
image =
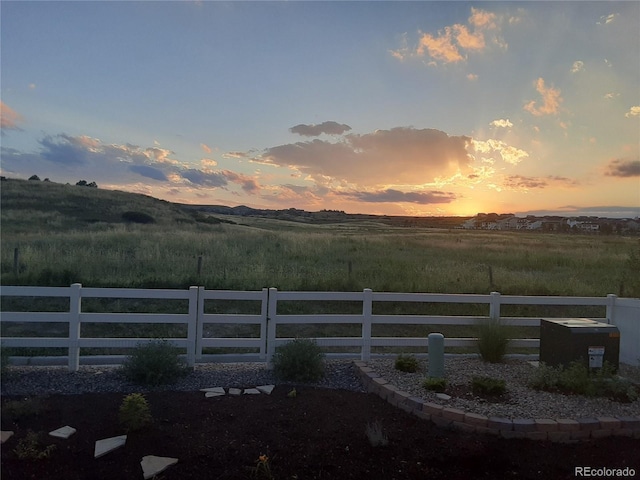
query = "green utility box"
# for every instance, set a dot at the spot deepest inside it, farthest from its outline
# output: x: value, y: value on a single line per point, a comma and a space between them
x: 564, y: 340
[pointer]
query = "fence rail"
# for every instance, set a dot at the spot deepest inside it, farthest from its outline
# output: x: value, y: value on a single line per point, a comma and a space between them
x: 625, y: 313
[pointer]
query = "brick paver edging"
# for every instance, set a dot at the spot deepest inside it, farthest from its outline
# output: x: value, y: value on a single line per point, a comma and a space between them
x: 554, y: 430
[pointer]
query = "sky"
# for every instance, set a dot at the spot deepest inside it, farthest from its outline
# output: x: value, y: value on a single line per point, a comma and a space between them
x: 396, y: 108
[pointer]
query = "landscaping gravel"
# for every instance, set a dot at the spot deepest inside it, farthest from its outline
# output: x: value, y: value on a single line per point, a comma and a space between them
x: 522, y: 402
x: 32, y: 380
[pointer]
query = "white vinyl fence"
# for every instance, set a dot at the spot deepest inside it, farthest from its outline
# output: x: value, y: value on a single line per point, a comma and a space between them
x: 623, y: 312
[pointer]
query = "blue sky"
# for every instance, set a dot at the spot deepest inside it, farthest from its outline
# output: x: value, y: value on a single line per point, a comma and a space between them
x: 406, y: 108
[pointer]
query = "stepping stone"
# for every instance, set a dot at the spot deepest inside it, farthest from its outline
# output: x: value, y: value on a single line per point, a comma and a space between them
x: 63, y: 432
x: 443, y: 396
x: 251, y: 391
x: 235, y: 391
x: 106, y: 445
x: 5, y: 435
x: 152, y: 465
x: 213, y: 392
x: 266, y: 389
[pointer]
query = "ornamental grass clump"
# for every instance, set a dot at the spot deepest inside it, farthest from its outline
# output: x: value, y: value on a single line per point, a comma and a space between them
x: 300, y: 360
x: 434, y: 384
x: 492, y: 340
x: 154, y: 363
x: 488, y: 386
x: 406, y: 363
x: 376, y: 435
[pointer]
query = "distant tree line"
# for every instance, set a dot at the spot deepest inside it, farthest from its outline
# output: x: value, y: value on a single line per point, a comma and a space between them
x: 81, y: 183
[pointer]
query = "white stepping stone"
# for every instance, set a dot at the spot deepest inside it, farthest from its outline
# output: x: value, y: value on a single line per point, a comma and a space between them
x: 5, y: 435
x: 251, y: 391
x: 213, y: 392
x: 235, y: 391
x: 107, y: 445
x: 443, y: 396
x: 152, y: 465
x: 63, y: 432
x: 266, y: 389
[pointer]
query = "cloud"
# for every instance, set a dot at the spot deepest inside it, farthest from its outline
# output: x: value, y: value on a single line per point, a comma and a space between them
x: 396, y: 196
x: 9, y: 118
x: 149, y: 172
x: 578, y: 66
x: 624, y: 168
x: 525, y: 183
x: 550, y: 100
x: 453, y: 43
x: 633, y: 112
x: 219, y: 178
x: 329, y: 128
x: 606, y: 19
x: 501, y: 123
x: 384, y: 157
x: 206, y: 148
x: 507, y: 152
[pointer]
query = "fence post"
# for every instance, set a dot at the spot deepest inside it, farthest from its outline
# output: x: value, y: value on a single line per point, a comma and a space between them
x: 75, y: 308
x: 264, y: 314
x: 193, y: 326
x: 611, y: 308
x: 494, y: 306
x: 271, y: 324
x: 367, y: 308
x: 199, y: 323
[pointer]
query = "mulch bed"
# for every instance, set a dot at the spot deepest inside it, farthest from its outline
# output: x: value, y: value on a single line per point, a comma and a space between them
x: 319, y: 434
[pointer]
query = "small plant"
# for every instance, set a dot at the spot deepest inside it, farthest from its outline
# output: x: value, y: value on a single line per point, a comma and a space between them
x: 262, y: 468
x: 376, y: 435
x: 492, y: 340
x: 435, y: 384
x: 154, y: 363
x: 20, y: 409
x: 134, y: 412
x: 406, y: 363
x: 299, y: 360
x: 487, y: 386
x: 29, y: 447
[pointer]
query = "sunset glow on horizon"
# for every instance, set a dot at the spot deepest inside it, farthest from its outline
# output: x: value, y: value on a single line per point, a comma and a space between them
x: 394, y: 108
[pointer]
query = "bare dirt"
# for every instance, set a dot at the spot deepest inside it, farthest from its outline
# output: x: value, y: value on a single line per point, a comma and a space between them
x: 319, y: 434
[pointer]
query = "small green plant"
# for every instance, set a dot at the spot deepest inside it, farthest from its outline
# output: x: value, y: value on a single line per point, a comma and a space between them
x: 576, y: 379
x: 488, y: 386
x: 30, y: 448
x: 299, y: 360
x: 134, y: 412
x: 154, y: 363
x: 435, y: 384
x: 406, y: 363
x: 262, y: 468
x: 376, y: 435
x: 25, y: 408
x: 492, y: 340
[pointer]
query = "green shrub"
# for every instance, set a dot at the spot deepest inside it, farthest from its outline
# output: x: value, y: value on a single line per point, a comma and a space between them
x: 488, y: 386
x: 134, y: 412
x: 492, y: 340
x: 20, y: 409
x: 154, y: 363
x: 29, y: 447
x: 138, y: 217
x: 299, y: 360
x: 406, y: 363
x: 435, y: 384
x: 577, y: 379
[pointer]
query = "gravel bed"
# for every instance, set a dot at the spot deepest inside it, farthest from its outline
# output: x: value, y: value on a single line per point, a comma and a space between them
x: 22, y: 381
x: 522, y: 401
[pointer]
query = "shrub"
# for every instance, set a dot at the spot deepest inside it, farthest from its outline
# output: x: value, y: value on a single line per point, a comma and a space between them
x: 492, y: 340
x: 576, y: 379
x: 20, y: 409
x: 376, y: 435
x: 154, y: 363
x: 29, y: 447
x: 487, y: 386
x: 435, y: 384
x: 137, y: 217
x: 406, y: 363
x: 134, y: 412
x: 299, y: 360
